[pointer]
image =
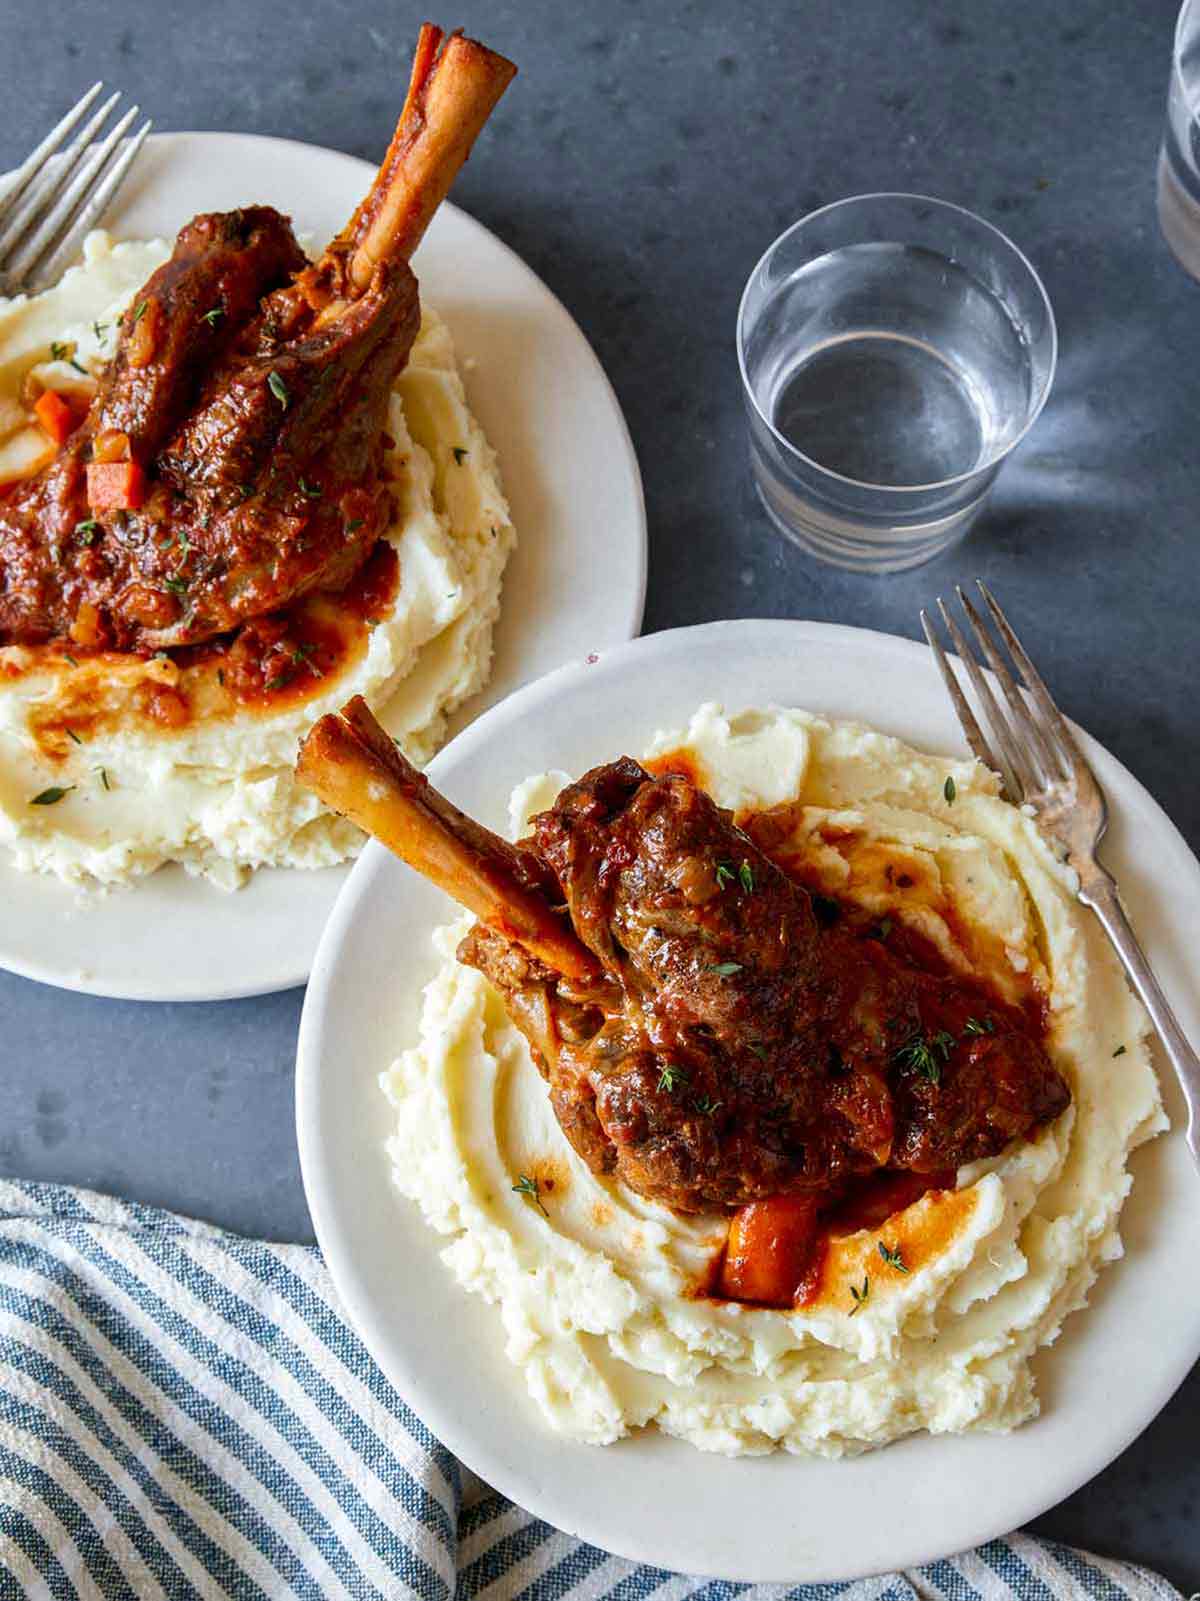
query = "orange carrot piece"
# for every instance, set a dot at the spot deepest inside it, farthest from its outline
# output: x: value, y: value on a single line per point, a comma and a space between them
x: 770, y: 1248
x: 56, y: 416
x: 115, y: 485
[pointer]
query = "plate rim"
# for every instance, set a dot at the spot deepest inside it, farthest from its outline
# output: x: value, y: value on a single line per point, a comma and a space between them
x: 502, y: 1473
x: 290, y: 975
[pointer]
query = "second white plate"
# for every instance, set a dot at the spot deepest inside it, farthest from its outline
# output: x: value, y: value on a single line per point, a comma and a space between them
x: 575, y: 584
x: 650, y: 1497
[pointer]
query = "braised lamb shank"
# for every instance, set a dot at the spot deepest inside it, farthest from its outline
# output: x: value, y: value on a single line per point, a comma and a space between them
x: 705, y: 1038
x: 231, y: 460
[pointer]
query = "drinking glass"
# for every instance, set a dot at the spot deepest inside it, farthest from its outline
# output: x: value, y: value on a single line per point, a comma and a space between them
x: 1179, y: 161
x: 893, y: 349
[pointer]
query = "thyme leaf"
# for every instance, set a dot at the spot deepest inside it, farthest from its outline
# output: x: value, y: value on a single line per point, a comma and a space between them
x: 527, y: 1186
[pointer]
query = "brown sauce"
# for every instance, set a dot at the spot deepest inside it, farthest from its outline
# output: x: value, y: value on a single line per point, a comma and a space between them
x: 267, y: 665
x: 819, y: 1261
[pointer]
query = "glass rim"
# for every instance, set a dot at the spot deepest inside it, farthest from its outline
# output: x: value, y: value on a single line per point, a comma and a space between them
x: 1036, y: 404
x: 1186, y: 11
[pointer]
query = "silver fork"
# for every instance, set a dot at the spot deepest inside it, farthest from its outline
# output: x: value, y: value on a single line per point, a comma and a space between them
x: 1043, y: 767
x: 50, y: 205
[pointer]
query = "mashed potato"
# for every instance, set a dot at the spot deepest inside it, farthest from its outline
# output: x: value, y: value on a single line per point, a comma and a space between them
x: 596, y: 1286
x: 218, y: 794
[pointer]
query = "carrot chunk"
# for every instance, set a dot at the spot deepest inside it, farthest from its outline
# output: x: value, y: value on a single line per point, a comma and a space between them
x: 115, y: 485
x: 770, y: 1249
x: 56, y: 416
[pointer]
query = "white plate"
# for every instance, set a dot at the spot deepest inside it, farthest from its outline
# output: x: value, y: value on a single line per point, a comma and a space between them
x: 649, y: 1497
x: 575, y: 584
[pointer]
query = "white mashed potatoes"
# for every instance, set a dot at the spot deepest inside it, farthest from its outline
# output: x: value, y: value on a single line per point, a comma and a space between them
x: 595, y: 1285
x: 217, y: 795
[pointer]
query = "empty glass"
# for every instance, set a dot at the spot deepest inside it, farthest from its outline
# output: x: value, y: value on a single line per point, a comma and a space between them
x: 1179, y: 162
x: 893, y: 350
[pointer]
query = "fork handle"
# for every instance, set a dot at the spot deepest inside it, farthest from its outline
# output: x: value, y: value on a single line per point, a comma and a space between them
x: 1099, y: 891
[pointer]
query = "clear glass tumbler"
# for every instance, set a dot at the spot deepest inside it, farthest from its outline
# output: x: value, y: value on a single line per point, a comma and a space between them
x: 1179, y: 162
x: 893, y: 351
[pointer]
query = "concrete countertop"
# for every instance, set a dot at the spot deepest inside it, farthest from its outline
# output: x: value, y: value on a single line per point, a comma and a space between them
x: 644, y: 159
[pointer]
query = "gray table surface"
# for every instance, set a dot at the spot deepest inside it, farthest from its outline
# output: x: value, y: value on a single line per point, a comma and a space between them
x: 644, y: 158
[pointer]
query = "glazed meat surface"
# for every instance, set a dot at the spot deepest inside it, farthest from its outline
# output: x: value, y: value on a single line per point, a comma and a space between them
x: 732, y: 1048
x: 261, y: 440
x: 233, y: 457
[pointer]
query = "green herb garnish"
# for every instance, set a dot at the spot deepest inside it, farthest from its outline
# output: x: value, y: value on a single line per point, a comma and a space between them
x: 883, y: 927
x: 893, y: 1258
x: 671, y: 1077
x: 920, y: 1055
x: 950, y: 790
x: 355, y: 522
x: 724, y: 874
x: 138, y: 314
x: 725, y: 969
x: 278, y: 681
x: 177, y: 585
x: 1120, y: 1051
x: 528, y: 1187
x: 705, y: 1105
x: 70, y: 659
x: 459, y: 452
x: 979, y: 1025
x: 86, y: 530
x: 310, y: 491
x: 51, y: 796
x: 58, y: 352
x: 103, y: 777
x: 98, y: 328
x: 71, y: 734
x: 860, y: 1297
x: 278, y: 388
x: 746, y: 877
x: 759, y: 1049
x: 213, y: 317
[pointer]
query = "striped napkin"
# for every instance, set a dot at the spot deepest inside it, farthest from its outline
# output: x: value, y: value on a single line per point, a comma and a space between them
x: 187, y: 1413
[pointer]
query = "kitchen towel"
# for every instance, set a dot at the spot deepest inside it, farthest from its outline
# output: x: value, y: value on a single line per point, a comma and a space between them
x: 184, y: 1412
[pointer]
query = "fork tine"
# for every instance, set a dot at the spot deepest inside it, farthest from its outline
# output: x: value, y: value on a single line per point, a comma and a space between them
x: 37, y: 158
x: 1013, y: 769
x: 51, y: 269
x: 41, y: 199
x: 1054, y: 723
x: 966, y: 717
x: 1026, y: 726
x: 58, y: 220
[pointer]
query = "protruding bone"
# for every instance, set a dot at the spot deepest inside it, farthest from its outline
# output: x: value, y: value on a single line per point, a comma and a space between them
x: 454, y: 87
x: 355, y: 768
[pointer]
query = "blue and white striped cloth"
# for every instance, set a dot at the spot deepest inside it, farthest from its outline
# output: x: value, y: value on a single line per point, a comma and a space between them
x: 187, y: 1413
